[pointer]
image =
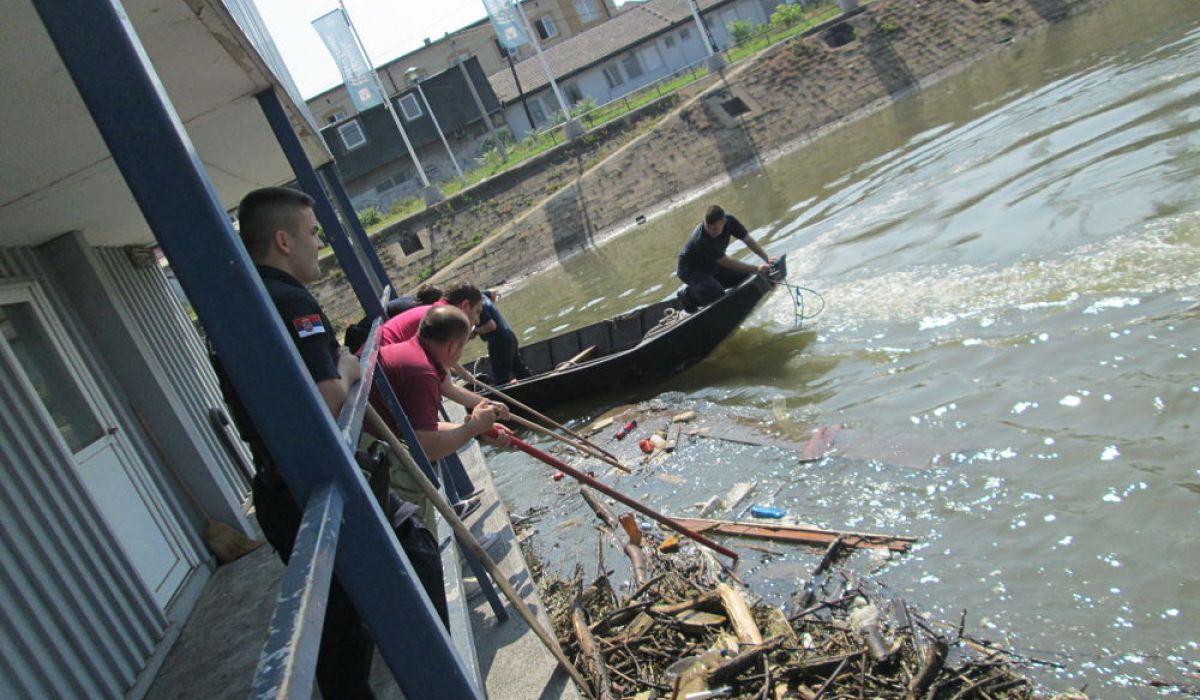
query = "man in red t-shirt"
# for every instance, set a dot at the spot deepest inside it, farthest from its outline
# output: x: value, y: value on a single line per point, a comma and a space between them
x: 465, y: 297
x: 416, y: 369
x: 462, y: 295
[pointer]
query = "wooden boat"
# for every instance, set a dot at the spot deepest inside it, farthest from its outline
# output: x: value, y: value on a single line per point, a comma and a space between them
x: 629, y: 350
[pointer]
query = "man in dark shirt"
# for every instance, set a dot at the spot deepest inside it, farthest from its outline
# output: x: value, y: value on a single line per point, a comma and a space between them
x: 356, y: 335
x: 506, y: 361
x: 279, y: 230
x: 706, y: 269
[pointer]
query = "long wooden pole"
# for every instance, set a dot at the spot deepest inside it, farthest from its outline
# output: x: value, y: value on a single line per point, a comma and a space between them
x: 567, y: 441
x: 467, y: 539
x: 612, y: 493
x: 510, y: 400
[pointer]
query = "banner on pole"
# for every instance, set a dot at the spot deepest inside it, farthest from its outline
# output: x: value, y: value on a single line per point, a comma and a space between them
x: 507, y: 24
x: 334, y: 30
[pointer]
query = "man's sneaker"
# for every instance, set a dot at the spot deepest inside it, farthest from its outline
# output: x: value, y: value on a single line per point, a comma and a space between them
x: 464, y: 508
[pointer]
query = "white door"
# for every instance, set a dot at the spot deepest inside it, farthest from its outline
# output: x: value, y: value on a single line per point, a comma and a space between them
x: 64, y: 395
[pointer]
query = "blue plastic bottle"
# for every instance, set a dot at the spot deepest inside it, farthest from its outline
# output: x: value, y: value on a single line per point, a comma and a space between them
x: 767, y: 512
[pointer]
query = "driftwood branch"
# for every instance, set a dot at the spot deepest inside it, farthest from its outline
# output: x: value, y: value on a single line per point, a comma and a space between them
x: 740, y: 615
x: 637, y: 560
x: 593, y: 661
x: 732, y: 668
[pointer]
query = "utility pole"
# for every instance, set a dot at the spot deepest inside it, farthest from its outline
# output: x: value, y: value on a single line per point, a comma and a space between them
x: 573, y: 127
x: 487, y: 121
x: 520, y: 93
x: 715, y: 61
x: 430, y: 192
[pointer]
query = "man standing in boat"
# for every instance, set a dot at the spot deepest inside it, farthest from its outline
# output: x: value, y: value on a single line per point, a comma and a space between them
x: 706, y: 269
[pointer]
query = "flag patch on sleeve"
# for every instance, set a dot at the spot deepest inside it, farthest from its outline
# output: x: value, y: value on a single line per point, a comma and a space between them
x: 308, y: 325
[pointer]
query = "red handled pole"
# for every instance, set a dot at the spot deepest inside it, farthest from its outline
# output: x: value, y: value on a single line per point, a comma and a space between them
x: 617, y: 495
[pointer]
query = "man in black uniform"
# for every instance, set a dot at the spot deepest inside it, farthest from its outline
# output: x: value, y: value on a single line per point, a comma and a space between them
x: 706, y: 269
x: 279, y: 230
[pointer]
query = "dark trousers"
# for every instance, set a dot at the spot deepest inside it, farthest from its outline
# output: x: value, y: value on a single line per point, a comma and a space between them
x: 703, y: 289
x: 505, y: 357
x: 344, y: 659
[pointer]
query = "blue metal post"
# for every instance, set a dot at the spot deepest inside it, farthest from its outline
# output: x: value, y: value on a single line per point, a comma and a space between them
x: 298, y: 620
x: 149, y: 145
x: 348, y: 257
x: 333, y: 180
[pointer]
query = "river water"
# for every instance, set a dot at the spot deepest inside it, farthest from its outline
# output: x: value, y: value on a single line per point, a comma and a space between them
x: 1011, y: 262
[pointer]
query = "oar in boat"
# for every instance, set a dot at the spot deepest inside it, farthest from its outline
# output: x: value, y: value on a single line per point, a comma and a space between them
x: 567, y: 441
x: 510, y: 400
x: 613, y: 493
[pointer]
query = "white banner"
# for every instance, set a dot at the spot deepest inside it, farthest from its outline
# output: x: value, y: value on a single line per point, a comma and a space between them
x: 334, y: 30
x: 506, y: 22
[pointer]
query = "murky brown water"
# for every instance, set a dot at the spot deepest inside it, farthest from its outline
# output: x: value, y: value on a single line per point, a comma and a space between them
x: 1012, y: 266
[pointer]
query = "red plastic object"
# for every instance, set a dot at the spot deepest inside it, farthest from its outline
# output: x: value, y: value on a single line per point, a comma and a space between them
x: 558, y: 476
x: 626, y: 429
x: 646, y: 446
x: 579, y: 476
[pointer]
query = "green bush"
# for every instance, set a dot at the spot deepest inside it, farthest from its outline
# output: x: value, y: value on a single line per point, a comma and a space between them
x: 887, y: 25
x: 583, y: 106
x: 786, y: 16
x: 369, y: 216
x: 742, y: 31
x: 404, y: 205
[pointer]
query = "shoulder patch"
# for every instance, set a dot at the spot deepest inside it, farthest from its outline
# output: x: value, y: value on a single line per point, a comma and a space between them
x: 308, y: 325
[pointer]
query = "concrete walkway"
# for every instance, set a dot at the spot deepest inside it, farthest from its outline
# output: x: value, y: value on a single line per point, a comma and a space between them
x: 218, y: 648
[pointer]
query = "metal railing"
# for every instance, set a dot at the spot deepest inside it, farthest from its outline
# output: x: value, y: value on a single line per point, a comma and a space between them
x: 344, y: 528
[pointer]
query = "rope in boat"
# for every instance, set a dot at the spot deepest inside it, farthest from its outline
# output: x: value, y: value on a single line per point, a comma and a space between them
x: 670, y: 317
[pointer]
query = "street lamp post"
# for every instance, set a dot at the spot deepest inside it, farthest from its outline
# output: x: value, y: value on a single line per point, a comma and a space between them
x: 430, y: 192
x: 415, y: 76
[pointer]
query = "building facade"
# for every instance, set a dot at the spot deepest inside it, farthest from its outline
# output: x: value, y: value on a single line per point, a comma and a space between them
x: 554, y: 21
x: 113, y: 461
x: 372, y: 157
x: 646, y: 42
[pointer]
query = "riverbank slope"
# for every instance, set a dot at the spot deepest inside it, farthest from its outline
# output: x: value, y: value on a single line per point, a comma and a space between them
x: 764, y: 106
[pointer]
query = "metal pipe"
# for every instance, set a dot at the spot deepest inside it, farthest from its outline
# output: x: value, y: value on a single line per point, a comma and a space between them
x: 613, y: 493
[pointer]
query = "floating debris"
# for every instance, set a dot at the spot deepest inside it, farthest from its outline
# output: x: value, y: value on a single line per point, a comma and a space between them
x: 688, y: 629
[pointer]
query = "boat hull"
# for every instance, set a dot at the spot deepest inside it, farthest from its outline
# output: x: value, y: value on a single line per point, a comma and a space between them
x: 627, y: 353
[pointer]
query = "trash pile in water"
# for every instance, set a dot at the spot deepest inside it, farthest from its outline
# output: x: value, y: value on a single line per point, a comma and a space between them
x: 688, y: 630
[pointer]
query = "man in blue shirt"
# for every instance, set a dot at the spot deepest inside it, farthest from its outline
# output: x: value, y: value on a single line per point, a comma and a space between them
x: 706, y: 269
x: 507, y: 363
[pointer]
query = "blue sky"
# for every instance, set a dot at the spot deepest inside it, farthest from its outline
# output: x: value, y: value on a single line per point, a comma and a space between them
x: 388, y: 28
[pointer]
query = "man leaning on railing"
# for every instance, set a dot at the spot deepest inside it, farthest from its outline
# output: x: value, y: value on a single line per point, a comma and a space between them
x: 279, y: 230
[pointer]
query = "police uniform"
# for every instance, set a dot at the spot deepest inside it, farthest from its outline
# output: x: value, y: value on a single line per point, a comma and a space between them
x: 344, y: 661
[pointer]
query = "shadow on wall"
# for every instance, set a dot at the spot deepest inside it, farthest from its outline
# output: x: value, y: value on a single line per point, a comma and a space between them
x: 1049, y: 9
x: 891, y: 70
x: 570, y: 225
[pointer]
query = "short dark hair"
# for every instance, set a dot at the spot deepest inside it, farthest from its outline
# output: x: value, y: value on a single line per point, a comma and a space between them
x: 714, y: 214
x: 427, y: 294
x: 444, y: 323
x: 459, y: 292
x: 267, y: 210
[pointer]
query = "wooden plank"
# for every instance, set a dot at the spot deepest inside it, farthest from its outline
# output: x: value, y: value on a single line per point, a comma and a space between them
x: 800, y: 534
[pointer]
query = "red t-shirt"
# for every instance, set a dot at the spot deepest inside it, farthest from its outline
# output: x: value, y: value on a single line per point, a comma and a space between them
x: 403, y: 326
x: 417, y: 380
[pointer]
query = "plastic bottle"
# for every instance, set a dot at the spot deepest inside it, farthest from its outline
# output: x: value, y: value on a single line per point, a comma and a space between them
x: 767, y: 512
